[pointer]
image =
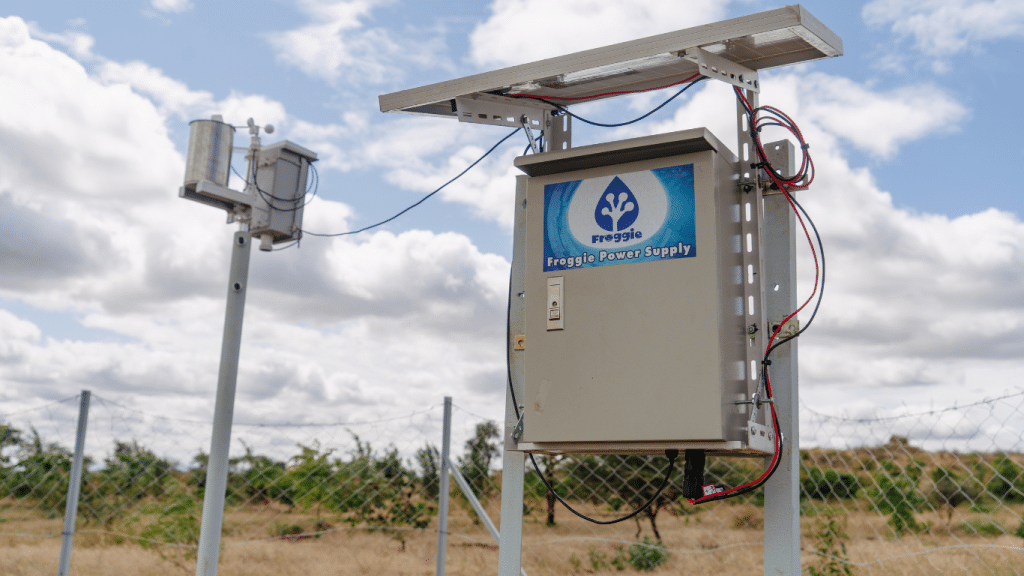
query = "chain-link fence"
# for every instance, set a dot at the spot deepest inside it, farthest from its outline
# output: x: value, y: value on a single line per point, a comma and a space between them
x: 911, y: 492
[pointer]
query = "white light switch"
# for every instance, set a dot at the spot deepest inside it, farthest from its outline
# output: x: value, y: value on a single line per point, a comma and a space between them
x: 556, y: 308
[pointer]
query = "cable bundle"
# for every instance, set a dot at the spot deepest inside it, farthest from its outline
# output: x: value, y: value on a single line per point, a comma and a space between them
x: 759, y: 118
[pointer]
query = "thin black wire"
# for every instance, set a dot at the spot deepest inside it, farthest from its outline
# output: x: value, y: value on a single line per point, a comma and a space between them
x: 313, y: 182
x: 670, y: 454
x: 421, y: 200
x: 565, y: 109
x: 295, y: 243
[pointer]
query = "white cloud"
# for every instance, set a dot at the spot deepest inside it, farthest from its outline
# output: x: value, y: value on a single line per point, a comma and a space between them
x: 864, y: 117
x: 520, y: 31
x: 88, y: 197
x: 352, y: 324
x: 842, y: 108
x: 337, y: 42
x: 941, y: 28
x: 488, y: 189
x: 910, y: 297
x: 79, y: 44
x: 172, y: 96
x: 176, y: 6
x: 50, y: 108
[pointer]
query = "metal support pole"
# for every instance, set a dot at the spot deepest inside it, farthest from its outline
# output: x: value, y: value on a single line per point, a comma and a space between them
x: 217, y: 466
x: 74, y: 486
x: 782, y: 492
x: 513, y: 469
x: 467, y: 491
x: 442, y: 508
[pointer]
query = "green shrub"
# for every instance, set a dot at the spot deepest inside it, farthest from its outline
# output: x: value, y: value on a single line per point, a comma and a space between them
x: 1008, y: 481
x: 177, y: 522
x: 285, y: 530
x: 895, y: 493
x: 823, y: 484
x: 646, y: 556
x: 949, y: 490
x: 598, y: 559
x: 982, y: 527
x: 831, y: 544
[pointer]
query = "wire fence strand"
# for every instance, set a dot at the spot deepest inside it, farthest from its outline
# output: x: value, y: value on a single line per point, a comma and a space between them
x: 905, y: 491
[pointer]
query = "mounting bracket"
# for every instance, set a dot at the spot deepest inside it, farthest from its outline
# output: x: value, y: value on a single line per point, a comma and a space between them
x: 719, y: 68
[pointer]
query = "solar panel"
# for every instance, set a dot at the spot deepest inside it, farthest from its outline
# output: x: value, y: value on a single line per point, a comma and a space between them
x: 728, y: 49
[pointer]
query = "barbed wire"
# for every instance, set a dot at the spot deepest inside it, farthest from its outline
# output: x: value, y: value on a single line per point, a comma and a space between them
x: 336, y: 424
x: 41, y: 407
x: 880, y: 419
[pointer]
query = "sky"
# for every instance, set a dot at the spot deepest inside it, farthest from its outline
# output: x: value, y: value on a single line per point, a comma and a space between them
x: 110, y: 282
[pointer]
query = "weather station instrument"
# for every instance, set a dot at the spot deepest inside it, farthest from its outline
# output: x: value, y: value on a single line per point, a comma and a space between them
x: 650, y: 275
x: 270, y: 208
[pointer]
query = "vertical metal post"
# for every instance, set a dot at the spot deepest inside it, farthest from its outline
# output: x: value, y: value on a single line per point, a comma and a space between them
x: 217, y: 466
x: 74, y: 486
x: 513, y: 469
x: 442, y: 507
x: 782, y: 492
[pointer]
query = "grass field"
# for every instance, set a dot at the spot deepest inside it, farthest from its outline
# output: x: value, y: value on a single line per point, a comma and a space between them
x: 722, y: 540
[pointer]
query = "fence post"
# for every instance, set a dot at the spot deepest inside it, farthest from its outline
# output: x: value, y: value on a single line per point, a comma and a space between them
x: 782, y: 491
x: 74, y: 486
x: 442, y: 508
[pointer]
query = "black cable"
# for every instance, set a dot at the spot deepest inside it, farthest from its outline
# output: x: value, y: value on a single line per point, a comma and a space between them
x: 421, y: 200
x: 806, y: 170
x: 565, y: 109
x: 670, y: 454
x: 314, y: 182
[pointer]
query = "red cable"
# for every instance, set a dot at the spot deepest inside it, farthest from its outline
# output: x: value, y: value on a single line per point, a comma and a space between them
x: 778, y: 181
x: 767, y: 380
x: 570, y: 98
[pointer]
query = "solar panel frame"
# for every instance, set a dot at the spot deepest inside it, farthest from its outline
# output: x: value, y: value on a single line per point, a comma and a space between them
x: 780, y: 37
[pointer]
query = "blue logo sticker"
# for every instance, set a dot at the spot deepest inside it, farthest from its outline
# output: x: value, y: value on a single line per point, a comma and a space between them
x: 631, y: 217
x: 617, y: 208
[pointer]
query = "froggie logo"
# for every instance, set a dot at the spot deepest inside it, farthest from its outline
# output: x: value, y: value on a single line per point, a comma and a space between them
x: 639, y: 216
x: 617, y: 209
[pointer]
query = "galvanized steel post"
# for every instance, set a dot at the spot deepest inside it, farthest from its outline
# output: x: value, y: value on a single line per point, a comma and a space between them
x: 223, y: 412
x: 74, y: 486
x: 442, y: 509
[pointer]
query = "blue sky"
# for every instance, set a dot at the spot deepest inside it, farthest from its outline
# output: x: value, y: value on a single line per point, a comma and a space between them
x: 109, y: 282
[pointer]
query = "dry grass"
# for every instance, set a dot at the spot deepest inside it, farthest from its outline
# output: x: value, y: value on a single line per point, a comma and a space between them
x: 722, y: 540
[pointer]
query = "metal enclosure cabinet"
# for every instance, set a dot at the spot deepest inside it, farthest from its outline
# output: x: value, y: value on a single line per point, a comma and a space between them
x: 635, y: 339
x: 281, y: 176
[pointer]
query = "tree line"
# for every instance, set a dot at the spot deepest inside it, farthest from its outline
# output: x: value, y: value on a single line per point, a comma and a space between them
x: 379, y: 489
